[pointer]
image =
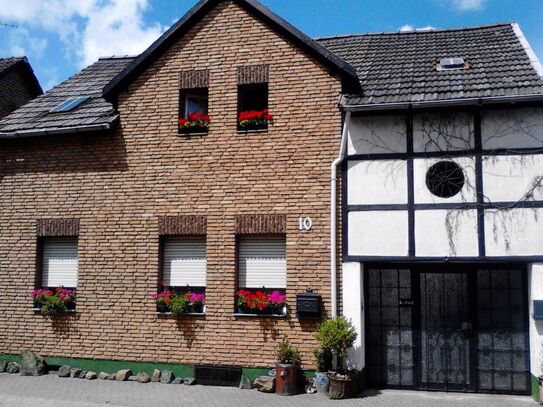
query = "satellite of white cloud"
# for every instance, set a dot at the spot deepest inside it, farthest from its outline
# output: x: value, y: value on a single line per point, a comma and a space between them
x: 469, y: 5
x: 88, y: 29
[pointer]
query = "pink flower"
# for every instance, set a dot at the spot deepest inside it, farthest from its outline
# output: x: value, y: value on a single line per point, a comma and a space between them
x: 197, y: 298
x: 277, y: 298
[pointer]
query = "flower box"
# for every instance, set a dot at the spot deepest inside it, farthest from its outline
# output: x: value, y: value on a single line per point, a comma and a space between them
x: 194, y: 123
x: 54, y: 302
x: 254, y: 120
x: 170, y: 303
x: 261, y: 303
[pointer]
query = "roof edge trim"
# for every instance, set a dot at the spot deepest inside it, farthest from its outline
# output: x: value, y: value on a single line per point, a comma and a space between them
x: 477, y: 101
x: 59, y: 130
x: 534, y: 60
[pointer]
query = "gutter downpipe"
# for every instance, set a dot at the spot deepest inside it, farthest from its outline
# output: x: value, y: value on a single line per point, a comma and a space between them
x: 333, y: 213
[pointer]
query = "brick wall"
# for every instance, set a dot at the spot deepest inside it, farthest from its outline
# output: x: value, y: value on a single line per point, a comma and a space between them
x: 120, y: 185
x: 13, y: 92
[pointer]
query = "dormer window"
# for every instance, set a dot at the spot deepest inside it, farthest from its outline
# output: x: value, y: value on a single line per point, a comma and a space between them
x: 253, y: 112
x: 194, y: 102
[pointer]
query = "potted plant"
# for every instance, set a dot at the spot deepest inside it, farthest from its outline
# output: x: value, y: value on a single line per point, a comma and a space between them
x: 179, y: 305
x: 254, y: 119
x: 194, y: 123
x: 286, y: 370
x: 338, y: 335
x: 260, y: 302
x: 51, y: 302
x: 324, y: 359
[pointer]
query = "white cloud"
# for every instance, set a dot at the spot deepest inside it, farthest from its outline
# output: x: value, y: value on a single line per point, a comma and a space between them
x: 22, y: 43
x: 468, y: 5
x: 409, y: 28
x: 88, y: 29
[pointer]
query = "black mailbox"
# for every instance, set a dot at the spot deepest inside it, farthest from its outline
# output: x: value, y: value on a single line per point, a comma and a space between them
x: 538, y: 310
x: 308, y: 305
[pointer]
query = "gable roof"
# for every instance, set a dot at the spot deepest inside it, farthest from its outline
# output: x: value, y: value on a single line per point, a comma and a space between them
x: 312, y: 47
x: 35, y: 118
x: 21, y: 63
x: 400, y: 68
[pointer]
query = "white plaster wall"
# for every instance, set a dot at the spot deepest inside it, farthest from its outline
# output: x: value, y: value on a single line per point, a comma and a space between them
x: 423, y: 194
x: 515, y: 232
x: 443, y: 132
x: 535, y: 292
x: 377, y: 182
x: 514, y: 128
x: 377, y: 134
x: 353, y: 310
x: 510, y: 177
x: 433, y: 239
x: 378, y: 233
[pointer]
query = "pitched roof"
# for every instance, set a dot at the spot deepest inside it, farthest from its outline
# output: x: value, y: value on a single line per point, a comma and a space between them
x: 393, y: 69
x: 6, y: 63
x: 401, y: 67
x: 35, y: 118
x: 337, y: 65
x: 21, y: 63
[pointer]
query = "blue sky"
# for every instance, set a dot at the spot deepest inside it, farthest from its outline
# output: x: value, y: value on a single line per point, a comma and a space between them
x: 61, y: 36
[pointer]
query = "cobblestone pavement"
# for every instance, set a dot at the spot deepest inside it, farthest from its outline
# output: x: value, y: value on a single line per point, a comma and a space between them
x: 49, y: 391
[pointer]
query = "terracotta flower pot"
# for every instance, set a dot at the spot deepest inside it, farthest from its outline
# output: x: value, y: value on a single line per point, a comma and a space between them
x: 286, y: 380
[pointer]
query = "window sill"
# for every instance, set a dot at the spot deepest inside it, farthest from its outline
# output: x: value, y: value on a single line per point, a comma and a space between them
x: 252, y: 131
x: 240, y: 315
x: 190, y: 314
x: 39, y: 311
x: 203, y: 133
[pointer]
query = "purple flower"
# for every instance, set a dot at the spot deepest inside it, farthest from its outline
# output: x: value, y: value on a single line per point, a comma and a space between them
x: 197, y: 298
x: 277, y: 298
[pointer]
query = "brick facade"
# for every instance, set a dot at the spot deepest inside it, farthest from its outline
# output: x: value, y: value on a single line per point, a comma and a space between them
x: 13, y: 92
x: 121, y: 185
x: 57, y: 227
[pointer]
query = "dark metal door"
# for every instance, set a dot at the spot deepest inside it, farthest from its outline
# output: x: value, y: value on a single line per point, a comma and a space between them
x: 453, y: 328
x: 445, y: 331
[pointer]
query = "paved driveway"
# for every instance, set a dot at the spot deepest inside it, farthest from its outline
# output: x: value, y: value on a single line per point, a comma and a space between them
x: 51, y: 391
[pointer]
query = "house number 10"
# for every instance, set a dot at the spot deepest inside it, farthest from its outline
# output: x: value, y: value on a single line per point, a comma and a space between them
x: 305, y: 223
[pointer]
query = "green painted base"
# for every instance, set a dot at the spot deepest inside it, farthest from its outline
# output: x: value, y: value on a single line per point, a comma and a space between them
x: 535, y: 389
x: 111, y: 366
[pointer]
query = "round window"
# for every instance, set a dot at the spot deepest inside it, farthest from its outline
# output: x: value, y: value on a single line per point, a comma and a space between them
x: 445, y: 179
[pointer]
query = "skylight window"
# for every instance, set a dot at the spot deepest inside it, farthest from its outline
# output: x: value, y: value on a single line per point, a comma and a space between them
x: 69, y: 104
x: 452, y: 63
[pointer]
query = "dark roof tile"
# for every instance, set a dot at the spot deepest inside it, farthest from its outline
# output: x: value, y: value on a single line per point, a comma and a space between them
x: 35, y: 116
x: 401, y: 67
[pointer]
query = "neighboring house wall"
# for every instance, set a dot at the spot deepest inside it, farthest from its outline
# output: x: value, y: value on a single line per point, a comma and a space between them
x: 495, y: 220
x: 378, y: 190
x: 13, y: 92
x: 119, y: 185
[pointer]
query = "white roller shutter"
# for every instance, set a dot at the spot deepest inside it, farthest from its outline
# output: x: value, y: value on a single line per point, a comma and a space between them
x: 185, y: 262
x: 59, y: 263
x: 262, y: 262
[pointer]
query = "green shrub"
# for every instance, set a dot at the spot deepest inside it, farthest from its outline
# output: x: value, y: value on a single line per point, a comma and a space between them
x: 324, y: 358
x: 337, y: 335
x: 287, y: 354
